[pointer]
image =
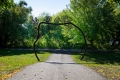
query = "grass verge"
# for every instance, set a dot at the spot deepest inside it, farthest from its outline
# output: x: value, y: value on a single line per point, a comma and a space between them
x: 107, y: 64
x: 12, y: 61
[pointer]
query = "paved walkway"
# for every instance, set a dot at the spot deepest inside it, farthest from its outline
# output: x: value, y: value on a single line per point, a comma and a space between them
x: 57, y: 67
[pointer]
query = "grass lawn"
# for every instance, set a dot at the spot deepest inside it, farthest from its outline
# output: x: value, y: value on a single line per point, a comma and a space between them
x: 12, y: 61
x: 107, y: 64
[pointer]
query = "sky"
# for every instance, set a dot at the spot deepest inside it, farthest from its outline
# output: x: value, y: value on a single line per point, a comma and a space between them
x: 50, y: 6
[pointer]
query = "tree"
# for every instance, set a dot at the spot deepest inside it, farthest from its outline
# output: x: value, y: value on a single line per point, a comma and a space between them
x: 6, y: 3
x: 11, y: 25
x: 97, y: 19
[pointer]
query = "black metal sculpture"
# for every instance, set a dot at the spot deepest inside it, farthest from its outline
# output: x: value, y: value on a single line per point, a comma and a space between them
x: 65, y: 20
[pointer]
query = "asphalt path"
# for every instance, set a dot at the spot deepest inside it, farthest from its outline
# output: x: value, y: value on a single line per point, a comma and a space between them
x: 58, y: 66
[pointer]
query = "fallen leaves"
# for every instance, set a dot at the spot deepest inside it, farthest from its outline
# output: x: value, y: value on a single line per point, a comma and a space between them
x: 8, y: 75
x: 112, y: 72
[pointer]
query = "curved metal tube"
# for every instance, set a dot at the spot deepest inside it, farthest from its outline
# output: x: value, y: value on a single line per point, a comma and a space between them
x: 59, y: 24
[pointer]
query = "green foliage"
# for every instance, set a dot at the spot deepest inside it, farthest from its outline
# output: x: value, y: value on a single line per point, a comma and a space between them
x: 6, y: 4
x: 51, y: 36
x: 11, y: 25
x: 97, y: 19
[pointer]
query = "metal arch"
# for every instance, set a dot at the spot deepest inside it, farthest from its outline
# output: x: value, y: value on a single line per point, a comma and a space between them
x: 38, y: 36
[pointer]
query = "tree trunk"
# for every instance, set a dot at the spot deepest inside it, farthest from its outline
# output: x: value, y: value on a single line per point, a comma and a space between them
x: 92, y: 44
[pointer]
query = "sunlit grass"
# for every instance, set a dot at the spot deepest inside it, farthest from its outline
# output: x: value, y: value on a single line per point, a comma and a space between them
x: 12, y: 61
x: 107, y: 64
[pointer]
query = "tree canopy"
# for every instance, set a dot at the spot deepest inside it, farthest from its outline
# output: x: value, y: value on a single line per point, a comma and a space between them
x: 99, y: 20
x: 6, y: 3
x: 11, y: 24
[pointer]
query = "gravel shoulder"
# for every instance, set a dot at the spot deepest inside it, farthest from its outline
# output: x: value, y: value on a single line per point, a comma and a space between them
x: 58, y: 66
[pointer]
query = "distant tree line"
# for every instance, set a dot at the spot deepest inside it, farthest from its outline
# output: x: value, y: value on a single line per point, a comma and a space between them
x: 99, y: 20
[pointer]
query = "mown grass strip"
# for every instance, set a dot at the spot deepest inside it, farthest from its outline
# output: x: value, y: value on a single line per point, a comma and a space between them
x: 11, y: 61
x: 107, y: 64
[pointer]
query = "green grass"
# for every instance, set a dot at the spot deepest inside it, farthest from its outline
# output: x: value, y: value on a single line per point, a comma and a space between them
x: 107, y: 64
x: 11, y: 61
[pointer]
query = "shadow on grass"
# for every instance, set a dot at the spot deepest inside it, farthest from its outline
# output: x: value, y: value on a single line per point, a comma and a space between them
x: 17, y: 52
x: 10, y: 52
x: 101, y: 57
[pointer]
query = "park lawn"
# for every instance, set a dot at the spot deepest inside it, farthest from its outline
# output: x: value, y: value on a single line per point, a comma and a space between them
x: 12, y: 61
x: 107, y: 64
